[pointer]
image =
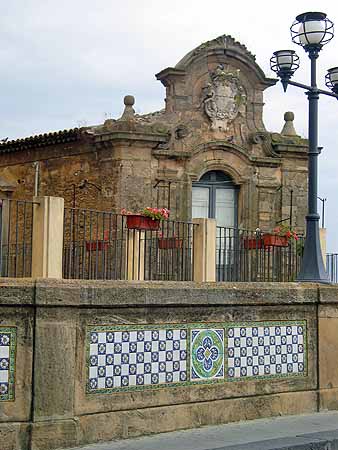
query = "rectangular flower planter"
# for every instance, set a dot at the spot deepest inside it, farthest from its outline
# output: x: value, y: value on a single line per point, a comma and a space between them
x: 138, y: 222
x: 252, y: 243
x: 170, y: 242
x: 273, y: 240
x: 266, y: 240
x: 96, y: 245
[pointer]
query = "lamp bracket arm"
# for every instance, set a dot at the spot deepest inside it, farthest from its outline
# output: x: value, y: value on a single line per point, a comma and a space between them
x: 300, y: 85
x: 330, y: 94
x: 311, y: 89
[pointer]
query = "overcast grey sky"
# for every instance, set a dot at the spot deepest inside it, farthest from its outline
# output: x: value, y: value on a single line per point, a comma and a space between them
x: 66, y: 63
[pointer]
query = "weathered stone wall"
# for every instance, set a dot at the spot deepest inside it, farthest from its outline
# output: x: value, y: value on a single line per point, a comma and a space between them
x: 126, y: 178
x: 67, y: 336
x: 61, y: 167
x: 123, y: 175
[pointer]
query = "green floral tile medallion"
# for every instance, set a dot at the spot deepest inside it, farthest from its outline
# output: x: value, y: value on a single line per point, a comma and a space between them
x: 207, y: 354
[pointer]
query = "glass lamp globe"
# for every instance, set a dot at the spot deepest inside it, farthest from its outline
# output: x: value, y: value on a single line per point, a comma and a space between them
x: 332, y: 79
x: 285, y: 59
x: 284, y: 62
x: 312, y: 30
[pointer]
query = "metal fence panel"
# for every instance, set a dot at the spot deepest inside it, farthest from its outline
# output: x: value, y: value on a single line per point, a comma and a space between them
x: 16, y: 231
x: 332, y: 267
x: 99, y: 245
x: 243, y: 255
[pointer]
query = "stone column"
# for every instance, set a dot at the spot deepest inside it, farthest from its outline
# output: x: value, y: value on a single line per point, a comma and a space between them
x: 135, y: 255
x: 322, y: 238
x: 47, y: 242
x: 204, y: 246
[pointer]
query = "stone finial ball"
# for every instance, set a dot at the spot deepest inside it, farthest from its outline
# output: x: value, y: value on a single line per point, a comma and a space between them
x: 129, y: 100
x: 289, y: 116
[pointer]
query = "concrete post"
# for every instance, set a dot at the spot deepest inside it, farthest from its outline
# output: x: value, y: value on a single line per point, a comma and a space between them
x: 47, y: 237
x: 135, y: 255
x: 322, y: 238
x: 205, y: 250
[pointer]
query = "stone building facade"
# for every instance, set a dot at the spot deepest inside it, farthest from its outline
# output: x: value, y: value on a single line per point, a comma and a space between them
x: 207, y: 153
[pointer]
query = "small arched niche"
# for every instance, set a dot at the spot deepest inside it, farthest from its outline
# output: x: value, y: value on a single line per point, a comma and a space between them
x: 215, y: 195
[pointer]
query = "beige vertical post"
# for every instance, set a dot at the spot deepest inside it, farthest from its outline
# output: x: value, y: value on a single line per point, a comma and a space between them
x: 205, y: 250
x: 5, y: 238
x: 322, y: 239
x: 47, y: 237
x: 135, y: 255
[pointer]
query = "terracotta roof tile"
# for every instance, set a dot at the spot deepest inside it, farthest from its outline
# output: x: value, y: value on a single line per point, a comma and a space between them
x: 40, y: 140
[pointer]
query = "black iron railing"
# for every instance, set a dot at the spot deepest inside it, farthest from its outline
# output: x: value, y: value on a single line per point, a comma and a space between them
x: 332, y: 267
x: 243, y: 255
x: 16, y: 230
x: 101, y: 245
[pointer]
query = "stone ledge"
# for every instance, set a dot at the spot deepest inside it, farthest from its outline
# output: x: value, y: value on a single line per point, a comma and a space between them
x: 53, y: 292
x: 17, y: 291
x: 328, y: 293
x: 150, y: 293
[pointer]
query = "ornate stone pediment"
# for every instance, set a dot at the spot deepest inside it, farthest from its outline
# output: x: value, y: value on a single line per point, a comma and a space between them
x: 223, y: 98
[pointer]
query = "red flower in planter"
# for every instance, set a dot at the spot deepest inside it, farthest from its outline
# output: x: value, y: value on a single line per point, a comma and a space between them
x: 147, y: 219
x: 153, y: 213
x: 286, y: 231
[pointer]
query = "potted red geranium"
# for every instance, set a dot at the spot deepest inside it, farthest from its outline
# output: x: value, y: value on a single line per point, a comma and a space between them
x: 147, y: 219
x: 280, y: 237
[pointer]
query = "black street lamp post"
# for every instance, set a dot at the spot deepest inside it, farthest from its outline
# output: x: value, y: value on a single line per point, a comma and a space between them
x: 311, y: 30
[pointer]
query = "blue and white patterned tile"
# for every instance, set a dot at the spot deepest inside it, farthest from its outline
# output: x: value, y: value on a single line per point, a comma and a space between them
x: 130, y: 359
x: 266, y: 350
x: 127, y: 358
x: 207, y: 354
x: 7, y: 363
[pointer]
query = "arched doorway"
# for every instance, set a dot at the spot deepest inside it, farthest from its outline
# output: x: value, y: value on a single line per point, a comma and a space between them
x: 215, y: 196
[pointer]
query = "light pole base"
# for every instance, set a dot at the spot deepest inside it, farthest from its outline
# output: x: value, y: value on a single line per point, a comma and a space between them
x: 312, y: 268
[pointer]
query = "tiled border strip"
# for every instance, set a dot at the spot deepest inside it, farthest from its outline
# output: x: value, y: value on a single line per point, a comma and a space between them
x: 12, y: 331
x: 188, y: 327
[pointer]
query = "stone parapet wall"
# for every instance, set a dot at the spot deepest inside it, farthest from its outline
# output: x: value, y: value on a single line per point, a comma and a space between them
x: 82, y: 362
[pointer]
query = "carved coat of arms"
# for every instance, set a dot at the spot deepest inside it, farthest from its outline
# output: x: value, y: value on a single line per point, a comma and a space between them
x: 223, y: 98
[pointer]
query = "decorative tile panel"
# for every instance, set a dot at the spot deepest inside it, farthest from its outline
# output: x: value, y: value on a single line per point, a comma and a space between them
x: 266, y: 350
x: 7, y: 363
x: 131, y: 357
x: 136, y: 358
x: 207, y: 354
